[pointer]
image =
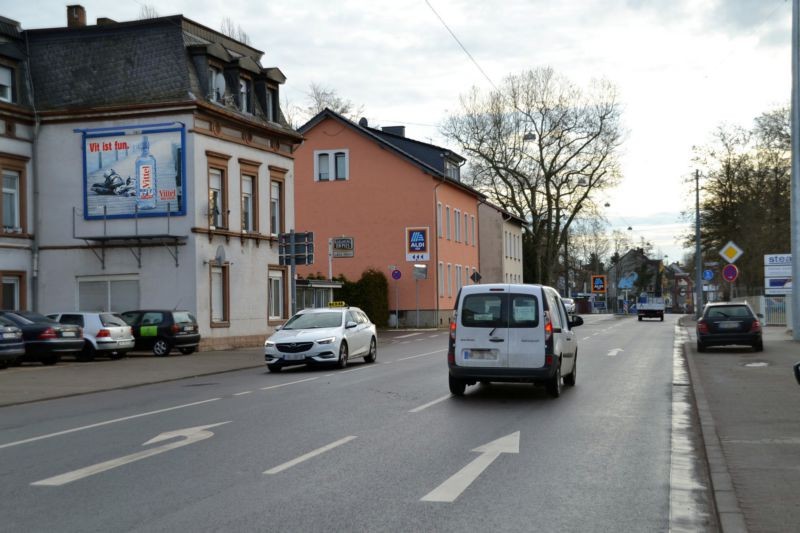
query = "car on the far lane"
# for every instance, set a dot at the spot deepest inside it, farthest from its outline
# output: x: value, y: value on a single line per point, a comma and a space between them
x: 569, y: 305
x: 11, y: 345
x: 45, y: 339
x: 322, y: 335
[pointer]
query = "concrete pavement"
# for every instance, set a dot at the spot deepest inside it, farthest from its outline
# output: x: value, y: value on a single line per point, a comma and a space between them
x: 747, y: 404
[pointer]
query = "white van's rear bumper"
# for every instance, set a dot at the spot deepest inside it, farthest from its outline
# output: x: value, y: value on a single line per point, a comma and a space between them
x: 511, y: 375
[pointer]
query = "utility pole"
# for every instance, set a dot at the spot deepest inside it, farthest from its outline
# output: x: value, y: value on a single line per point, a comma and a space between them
x: 698, y: 261
x: 795, y: 201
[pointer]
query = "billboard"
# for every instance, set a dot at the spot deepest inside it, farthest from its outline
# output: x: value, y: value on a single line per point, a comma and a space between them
x: 134, y: 171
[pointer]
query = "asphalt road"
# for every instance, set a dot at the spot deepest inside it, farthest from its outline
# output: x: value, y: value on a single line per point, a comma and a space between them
x: 375, y: 447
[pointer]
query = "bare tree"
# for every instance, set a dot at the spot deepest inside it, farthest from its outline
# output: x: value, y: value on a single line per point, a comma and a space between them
x: 147, y: 11
x: 541, y: 147
x: 234, y: 31
x: 320, y: 97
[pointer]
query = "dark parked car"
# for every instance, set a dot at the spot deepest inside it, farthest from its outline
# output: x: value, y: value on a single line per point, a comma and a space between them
x: 45, y: 339
x: 11, y: 344
x: 163, y: 330
x: 726, y: 323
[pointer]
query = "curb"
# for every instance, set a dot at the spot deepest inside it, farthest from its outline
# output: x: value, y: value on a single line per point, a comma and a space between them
x: 729, y: 515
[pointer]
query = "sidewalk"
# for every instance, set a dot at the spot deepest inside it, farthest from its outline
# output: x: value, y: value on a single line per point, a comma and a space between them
x: 748, y: 406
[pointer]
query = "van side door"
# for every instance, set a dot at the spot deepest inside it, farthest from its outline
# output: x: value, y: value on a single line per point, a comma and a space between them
x: 482, y: 330
x: 564, y: 341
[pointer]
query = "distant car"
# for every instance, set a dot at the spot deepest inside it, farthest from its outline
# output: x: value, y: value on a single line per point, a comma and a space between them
x: 569, y: 305
x: 162, y: 330
x: 323, y: 335
x: 45, y: 339
x: 727, y: 323
x: 105, y: 334
x: 12, y: 347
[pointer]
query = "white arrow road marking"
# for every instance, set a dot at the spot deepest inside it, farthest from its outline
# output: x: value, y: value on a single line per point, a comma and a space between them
x: 309, y: 455
x: 188, y: 436
x: 458, y: 482
x: 98, y: 424
x: 614, y: 352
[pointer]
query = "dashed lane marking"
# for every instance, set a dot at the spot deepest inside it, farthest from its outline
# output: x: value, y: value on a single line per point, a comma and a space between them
x: 289, y: 383
x: 434, y: 402
x: 422, y: 355
x: 309, y: 455
x: 243, y: 393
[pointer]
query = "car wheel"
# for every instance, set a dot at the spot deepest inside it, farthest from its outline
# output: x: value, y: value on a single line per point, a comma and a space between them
x: 50, y: 360
x: 457, y: 386
x: 373, y: 351
x: 187, y: 351
x: 569, y: 379
x: 161, y: 348
x: 554, y: 385
x: 88, y: 352
x: 758, y: 346
x: 640, y: 319
x: 701, y: 347
x: 342, y: 363
x: 662, y: 318
x: 274, y: 368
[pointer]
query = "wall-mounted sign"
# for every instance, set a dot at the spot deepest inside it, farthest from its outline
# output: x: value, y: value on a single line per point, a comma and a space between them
x: 598, y: 284
x: 417, y: 244
x: 343, y: 246
x: 777, y: 274
x: 133, y: 171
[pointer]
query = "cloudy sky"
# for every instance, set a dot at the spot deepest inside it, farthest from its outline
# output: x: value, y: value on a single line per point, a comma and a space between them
x: 683, y: 67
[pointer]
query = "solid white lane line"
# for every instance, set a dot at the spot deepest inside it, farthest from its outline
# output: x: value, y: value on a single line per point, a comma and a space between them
x: 309, y: 455
x: 90, y: 426
x: 434, y: 402
x: 409, y: 335
x: 243, y: 393
x: 289, y: 383
x: 422, y: 354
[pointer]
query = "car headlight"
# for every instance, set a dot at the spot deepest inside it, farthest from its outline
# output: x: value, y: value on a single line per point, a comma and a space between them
x: 269, y: 344
x: 327, y: 340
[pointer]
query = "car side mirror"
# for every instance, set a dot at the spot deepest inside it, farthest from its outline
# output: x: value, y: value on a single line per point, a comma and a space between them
x: 760, y: 315
x: 575, y: 320
x: 350, y: 325
x: 797, y: 372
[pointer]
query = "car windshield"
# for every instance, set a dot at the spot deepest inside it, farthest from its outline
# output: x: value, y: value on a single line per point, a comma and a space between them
x: 182, y: 317
x: 729, y: 311
x: 330, y: 319
x: 110, y: 320
x: 22, y: 318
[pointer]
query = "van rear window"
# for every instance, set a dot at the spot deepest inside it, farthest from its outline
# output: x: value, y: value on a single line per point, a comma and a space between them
x: 500, y: 311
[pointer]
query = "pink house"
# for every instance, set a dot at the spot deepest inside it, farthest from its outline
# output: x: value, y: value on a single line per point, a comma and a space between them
x: 403, y: 204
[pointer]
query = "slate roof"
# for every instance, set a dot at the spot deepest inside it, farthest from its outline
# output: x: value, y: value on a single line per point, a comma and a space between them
x: 434, y: 167
x: 429, y: 153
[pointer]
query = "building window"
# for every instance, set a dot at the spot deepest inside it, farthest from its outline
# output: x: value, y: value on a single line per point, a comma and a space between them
x: 331, y: 165
x: 447, y: 221
x: 458, y: 277
x: 276, y: 295
x: 220, y: 295
x: 473, y: 230
x: 451, y: 171
x: 216, y: 198
x: 108, y: 293
x: 441, y: 279
x: 245, y: 96
x: 466, y: 229
x: 11, y: 201
x: 449, y: 279
x: 6, y: 84
x: 13, y: 293
x: 247, y: 204
x: 439, y: 219
x: 457, y: 223
x: 275, y: 226
x: 271, y: 105
x: 216, y: 84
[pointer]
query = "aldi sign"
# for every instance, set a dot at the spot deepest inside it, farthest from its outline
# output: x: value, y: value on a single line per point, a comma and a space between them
x: 417, y: 244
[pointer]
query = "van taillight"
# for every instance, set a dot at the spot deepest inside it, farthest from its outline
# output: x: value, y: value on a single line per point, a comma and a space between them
x: 548, y: 335
x: 49, y: 333
x: 451, y: 344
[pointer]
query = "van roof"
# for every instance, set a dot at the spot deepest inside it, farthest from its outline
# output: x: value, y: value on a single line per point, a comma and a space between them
x: 500, y: 287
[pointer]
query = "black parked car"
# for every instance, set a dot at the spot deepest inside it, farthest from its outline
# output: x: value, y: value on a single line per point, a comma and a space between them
x: 11, y: 343
x: 45, y: 339
x: 162, y: 330
x: 726, y: 323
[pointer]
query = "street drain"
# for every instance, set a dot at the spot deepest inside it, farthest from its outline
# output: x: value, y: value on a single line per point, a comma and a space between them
x: 757, y: 364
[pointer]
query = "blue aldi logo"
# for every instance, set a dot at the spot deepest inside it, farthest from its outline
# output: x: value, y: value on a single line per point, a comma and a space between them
x: 417, y: 244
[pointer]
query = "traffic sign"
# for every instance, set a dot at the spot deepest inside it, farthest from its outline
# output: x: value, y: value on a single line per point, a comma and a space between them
x: 730, y: 273
x: 599, y: 284
x: 396, y: 274
x: 708, y: 275
x: 475, y: 277
x: 730, y: 252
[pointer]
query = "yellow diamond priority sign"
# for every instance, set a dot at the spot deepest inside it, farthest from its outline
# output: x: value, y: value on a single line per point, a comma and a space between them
x: 730, y: 252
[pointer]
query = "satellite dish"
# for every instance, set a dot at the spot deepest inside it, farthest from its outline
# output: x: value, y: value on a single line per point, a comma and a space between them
x: 220, y: 257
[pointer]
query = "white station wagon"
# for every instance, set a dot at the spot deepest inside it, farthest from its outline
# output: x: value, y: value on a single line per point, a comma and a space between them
x: 512, y: 333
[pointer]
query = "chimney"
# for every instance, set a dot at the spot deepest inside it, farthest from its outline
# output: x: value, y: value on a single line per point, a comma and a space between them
x: 76, y: 16
x: 400, y: 131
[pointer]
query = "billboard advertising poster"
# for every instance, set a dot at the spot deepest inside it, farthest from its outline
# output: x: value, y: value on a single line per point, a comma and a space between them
x: 131, y: 171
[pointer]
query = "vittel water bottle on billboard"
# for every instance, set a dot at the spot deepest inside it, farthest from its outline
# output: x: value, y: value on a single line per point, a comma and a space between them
x: 146, y: 178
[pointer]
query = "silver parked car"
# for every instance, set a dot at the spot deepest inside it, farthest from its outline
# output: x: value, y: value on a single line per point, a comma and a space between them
x: 105, y: 334
x: 324, y: 335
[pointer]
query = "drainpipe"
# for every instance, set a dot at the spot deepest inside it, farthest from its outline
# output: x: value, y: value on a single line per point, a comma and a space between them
x: 35, y: 185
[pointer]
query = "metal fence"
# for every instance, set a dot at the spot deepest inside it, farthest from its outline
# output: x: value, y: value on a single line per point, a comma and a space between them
x: 776, y: 309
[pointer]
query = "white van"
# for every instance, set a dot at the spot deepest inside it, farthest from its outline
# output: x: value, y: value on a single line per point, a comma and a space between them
x: 512, y: 333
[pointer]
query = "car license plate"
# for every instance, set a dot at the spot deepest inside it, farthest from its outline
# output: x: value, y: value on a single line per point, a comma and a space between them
x: 188, y: 328
x: 483, y: 355
x: 9, y: 335
x: 728, y: 325
x: 67, y: 333
x: 294, y: 357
